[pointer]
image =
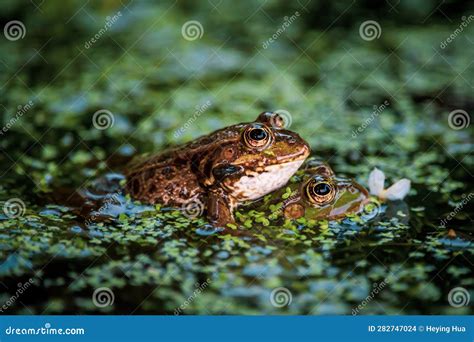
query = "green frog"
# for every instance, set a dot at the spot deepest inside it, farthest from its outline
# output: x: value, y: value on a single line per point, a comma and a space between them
x: 219, y: 171
x: 316, y: 193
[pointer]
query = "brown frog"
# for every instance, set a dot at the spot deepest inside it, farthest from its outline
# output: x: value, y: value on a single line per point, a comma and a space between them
x: 235, y: 164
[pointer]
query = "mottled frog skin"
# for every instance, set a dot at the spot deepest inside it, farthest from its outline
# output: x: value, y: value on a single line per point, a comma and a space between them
x: 235, y: 164
x: 317, y: 193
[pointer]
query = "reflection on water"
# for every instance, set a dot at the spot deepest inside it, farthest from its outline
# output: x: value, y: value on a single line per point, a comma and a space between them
x: 109, y: 240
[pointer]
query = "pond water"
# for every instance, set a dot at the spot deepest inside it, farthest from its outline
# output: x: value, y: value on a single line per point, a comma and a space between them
x: 75, y: 244
x: 156, y: 259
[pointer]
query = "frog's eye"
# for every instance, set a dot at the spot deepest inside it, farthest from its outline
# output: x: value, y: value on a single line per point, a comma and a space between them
x: 257, y: 136
x: 320, y: 191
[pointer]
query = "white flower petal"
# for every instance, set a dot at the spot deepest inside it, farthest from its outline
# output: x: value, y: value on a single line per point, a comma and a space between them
x: 376, y: 182
x: 398, y: 190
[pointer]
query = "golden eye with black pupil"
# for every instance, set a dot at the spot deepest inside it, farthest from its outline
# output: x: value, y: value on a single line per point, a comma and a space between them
x: 257, y: 136
x: 320, y: 191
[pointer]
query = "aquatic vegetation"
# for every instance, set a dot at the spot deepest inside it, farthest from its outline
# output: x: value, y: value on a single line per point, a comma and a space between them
x: 150, y: 83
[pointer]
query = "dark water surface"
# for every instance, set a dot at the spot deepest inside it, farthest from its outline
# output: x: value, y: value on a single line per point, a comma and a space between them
x: 360, y: 104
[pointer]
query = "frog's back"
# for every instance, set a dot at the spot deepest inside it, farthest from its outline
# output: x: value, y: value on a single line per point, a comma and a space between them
x: 166, y: 179
x: 174, y: 176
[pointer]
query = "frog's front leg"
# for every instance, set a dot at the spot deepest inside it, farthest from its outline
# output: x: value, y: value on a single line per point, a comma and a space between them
x: 220, y: 208
x: 220, y: 205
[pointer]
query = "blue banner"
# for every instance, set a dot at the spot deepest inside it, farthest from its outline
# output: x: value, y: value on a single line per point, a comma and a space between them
x: 237, y: 328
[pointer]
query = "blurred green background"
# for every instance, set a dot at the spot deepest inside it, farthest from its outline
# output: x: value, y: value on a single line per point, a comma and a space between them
x: 154, y: 81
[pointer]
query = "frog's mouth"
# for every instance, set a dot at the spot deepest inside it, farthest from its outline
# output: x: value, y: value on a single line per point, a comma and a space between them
x: 256, y: 184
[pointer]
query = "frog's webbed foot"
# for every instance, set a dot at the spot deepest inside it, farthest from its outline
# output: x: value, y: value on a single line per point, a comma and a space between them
x: 220, y: 208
